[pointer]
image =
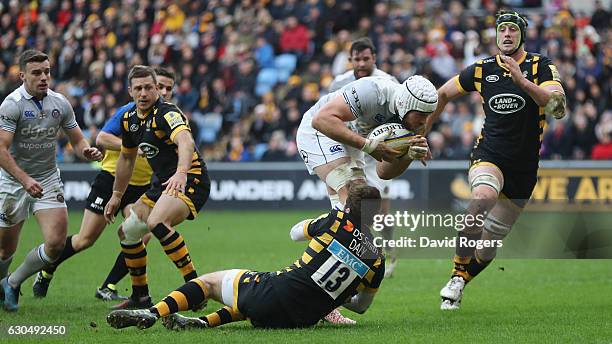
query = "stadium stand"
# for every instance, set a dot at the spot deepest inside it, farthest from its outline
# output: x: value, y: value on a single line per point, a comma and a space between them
x: 249, y: 69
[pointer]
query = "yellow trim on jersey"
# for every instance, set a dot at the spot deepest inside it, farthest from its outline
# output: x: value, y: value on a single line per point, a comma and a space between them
x: 477, y: 85
x: 500, y: 63
x: 189, y: 203
x: 128, y: 150
x: 334, y: 227
x: 306, y: 234
x: 315, y: 246
x: 178, y: 130
x: 147, y: 201
x: 159, y: 133
x: 534, y: 69
x: 377, y: 262
x: 550, y: 82
x: 340, y: 215
x: 306, y: 258
x: 478, y: 72
x: 195, y: 170
x: 459, y: 87
x: 369, y: 276
x: 236, y: 280
x: 326, y: 238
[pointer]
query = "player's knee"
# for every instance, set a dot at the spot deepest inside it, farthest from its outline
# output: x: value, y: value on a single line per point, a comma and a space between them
x: 340, y: 176
x: 133, y: 229
x: 82, y: 242
x: 54, y: 248
x: 6, y: 253
x: 484, y: 193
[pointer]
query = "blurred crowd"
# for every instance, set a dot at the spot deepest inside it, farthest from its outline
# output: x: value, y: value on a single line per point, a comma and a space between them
x: 247, y: 70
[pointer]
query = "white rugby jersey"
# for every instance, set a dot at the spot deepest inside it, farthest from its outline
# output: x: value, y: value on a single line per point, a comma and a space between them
x: 35, y: 125
x: 368, y: 98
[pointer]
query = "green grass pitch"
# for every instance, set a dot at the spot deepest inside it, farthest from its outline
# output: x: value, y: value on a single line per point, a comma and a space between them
x: 543, y: 301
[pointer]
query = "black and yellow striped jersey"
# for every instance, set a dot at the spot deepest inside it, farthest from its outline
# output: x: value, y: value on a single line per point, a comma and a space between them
x: 514, y: 123
x: 154, y: 133
x: 340, y: 261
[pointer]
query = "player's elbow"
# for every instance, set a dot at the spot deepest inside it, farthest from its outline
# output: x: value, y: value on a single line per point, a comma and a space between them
x: 100, y: 139
x: 317, y: 121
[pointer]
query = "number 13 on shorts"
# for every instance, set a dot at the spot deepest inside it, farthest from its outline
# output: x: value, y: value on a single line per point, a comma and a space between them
x: 339, y: 270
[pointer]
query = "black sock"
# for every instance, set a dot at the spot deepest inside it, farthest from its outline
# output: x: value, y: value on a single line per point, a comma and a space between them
x: 118, y: 271
x: 66, y: 253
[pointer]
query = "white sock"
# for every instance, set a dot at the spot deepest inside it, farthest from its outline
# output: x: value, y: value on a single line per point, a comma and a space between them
x: 35, y: 261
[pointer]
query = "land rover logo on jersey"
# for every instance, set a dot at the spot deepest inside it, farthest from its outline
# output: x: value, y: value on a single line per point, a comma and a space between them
x: 492, y: 78
x: 134, y: 127
x: 506, y: 103
x: 149, y: 150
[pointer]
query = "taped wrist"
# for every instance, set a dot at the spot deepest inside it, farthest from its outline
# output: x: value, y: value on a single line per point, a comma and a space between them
x: 370, y: 146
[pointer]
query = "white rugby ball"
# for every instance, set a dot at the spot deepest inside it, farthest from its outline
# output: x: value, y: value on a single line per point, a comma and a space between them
x: 395, y: 136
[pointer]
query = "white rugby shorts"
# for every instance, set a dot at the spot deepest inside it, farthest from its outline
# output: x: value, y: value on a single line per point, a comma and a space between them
x: 317, y: 149
x: 16, y: 204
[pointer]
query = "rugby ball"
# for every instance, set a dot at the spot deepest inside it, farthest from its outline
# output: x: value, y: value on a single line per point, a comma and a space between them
x: 394, y: 135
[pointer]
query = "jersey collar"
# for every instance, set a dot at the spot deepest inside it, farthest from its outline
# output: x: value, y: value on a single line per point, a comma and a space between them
x: 24, y: 93
x: 156, y: 104
x: 499, y: 62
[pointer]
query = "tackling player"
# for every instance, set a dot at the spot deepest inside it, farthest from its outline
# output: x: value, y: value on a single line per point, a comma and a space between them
x: 30, y: 120
x: 93, y: 222
x: 363, y: 57
x: 332, y: 272
x: 518, y: 89
x: 179, y: 190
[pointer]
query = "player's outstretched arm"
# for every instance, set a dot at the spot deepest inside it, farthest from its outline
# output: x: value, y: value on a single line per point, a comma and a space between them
x: 449, y: 91
x: 108, y: 141
x: 360, y: 302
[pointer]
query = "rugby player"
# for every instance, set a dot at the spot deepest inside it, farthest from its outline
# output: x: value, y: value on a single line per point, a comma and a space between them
x: 518, y: 89
x: 178, y: 191
x: 93, y: 222
x: 30, y: 120
x: 362, y: 55
x: 340, y: 267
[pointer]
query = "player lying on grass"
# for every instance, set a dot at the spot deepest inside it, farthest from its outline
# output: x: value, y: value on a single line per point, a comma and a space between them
x: 332, y: 272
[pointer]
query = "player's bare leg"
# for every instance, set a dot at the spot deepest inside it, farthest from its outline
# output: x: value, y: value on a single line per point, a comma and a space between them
x: 486, y: 181
x: 92, y: 226
x: 53, y: 223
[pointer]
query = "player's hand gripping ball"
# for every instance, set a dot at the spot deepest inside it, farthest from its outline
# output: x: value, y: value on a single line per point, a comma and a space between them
x: 394, y: 135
